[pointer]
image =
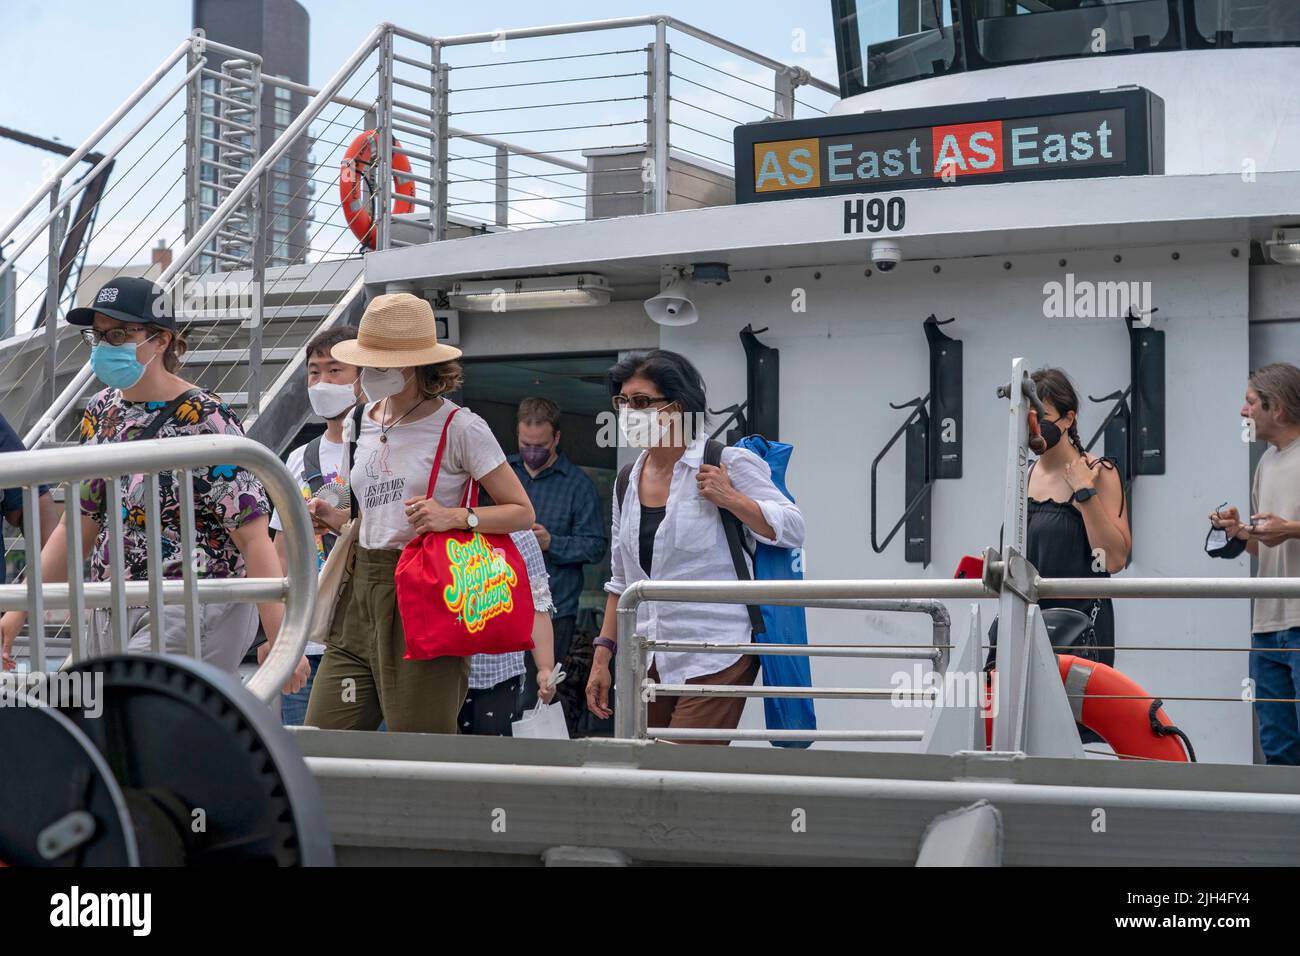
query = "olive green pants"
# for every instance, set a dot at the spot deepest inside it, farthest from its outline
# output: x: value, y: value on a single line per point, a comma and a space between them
x: 364, y: 677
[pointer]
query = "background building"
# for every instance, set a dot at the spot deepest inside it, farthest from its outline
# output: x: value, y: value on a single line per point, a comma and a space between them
x: 279, y: 31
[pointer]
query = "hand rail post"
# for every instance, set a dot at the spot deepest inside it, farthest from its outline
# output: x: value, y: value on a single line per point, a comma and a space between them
x: 383, y: 164
x: 660, y: 171
x: 629, y: 668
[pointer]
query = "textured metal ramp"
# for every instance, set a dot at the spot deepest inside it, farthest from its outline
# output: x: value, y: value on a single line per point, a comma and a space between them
x: 422, y: 799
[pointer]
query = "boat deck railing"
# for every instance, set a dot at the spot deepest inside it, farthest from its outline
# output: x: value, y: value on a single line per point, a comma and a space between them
x: 179, y: 457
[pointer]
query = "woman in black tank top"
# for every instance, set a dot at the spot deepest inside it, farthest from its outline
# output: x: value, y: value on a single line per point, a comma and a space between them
x: 1077, y: 526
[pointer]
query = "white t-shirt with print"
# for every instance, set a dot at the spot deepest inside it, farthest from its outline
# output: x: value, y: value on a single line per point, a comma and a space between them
x: 386, y: 474
x: 333, y: 464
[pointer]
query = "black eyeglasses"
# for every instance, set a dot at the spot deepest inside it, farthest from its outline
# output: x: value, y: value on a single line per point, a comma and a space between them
x: 639, y: 402
x: 118, y: 336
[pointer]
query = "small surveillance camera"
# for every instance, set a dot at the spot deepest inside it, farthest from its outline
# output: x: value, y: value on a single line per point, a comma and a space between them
x: 885, y: 255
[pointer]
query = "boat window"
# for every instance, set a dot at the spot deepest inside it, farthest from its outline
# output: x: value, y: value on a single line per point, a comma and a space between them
x: 1248, y: 22
x: 1021, y: 31
x: 882, y: 42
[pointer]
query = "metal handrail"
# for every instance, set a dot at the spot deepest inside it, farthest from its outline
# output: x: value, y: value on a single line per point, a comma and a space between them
x: 620, y: 23
x: 66, y: 399
x: 630, y: 662
x: 49, y: 466
x: 631, y: 721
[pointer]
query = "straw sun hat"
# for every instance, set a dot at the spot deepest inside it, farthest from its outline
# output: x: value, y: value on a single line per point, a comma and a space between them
x: 397, y: 331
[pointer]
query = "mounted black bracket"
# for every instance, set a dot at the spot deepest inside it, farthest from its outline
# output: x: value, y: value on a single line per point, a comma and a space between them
x: 760, y: 412
x: 1133, y: 430
x: 932, y: 447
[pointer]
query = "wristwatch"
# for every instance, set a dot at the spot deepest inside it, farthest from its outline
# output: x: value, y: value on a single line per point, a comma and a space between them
x: 606, y: 643
x: 1083, y: 494
x: 471, y: 519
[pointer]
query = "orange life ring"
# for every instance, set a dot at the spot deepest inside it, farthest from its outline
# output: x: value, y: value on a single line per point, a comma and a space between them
x: 356, y: 210
x: 1118, y: 710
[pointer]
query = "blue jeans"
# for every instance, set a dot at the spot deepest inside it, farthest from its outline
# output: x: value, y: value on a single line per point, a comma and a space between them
x: 293, y: 707
x: 1277, y: 675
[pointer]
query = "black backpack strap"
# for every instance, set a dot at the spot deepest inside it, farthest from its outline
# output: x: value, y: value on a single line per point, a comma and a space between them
x: 624, y: 479
x: 735, y: 538
x: 158, y: 421
x: 311, y: 465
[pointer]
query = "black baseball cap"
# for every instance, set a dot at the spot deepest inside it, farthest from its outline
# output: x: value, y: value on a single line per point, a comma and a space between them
x: 129, y: 299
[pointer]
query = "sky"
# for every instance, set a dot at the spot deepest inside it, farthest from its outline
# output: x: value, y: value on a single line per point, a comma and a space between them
x: 65, y: 65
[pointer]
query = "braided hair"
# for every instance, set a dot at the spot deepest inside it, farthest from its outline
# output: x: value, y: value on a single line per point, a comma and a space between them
x: 1054, y: 386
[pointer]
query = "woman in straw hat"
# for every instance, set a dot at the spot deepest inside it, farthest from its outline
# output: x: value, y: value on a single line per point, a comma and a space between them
x: 364, y: 677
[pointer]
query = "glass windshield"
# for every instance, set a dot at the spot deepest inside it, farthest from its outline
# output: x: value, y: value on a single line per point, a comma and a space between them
x: 891, y: 41
x: 1248, y: 22
x: 1020, y: 31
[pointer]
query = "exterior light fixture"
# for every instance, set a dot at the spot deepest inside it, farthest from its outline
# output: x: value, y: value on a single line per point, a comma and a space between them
x: 546, y: 292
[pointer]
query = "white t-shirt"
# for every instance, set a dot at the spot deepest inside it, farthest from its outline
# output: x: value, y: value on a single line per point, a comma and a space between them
x: 1276, y: 490
x: 334, y: 467
x: 385, y: 475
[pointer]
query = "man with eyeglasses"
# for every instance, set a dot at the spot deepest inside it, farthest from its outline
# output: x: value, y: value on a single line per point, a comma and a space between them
x: 136, y: 350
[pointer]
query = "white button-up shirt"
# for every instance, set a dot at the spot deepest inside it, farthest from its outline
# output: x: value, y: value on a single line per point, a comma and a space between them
x: 691, y: 545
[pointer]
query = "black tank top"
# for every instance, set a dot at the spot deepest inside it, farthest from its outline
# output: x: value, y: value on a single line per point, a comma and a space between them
x: 651, y: 519
x: 1056, y: 543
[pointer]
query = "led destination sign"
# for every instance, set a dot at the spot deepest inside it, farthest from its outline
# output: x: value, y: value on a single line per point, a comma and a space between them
x: 1115, y: 133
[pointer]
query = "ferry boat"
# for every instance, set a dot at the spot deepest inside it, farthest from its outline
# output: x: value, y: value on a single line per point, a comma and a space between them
x: 867, y: 266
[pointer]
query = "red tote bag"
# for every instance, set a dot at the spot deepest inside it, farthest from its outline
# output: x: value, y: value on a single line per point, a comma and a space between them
x: 461, y: 592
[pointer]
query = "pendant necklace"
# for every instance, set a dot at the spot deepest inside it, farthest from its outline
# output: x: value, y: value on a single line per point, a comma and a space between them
x: 384, y: 429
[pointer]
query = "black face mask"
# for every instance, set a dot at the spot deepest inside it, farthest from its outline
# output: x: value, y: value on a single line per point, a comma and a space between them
x: 1051, y: 433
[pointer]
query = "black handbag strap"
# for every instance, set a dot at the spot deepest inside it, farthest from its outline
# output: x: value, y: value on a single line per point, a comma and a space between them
x: 735, y: 538
x: 158, y: 421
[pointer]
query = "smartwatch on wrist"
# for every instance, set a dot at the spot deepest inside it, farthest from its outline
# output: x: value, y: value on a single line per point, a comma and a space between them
x: 1083, y: 494
x: 606, y: 643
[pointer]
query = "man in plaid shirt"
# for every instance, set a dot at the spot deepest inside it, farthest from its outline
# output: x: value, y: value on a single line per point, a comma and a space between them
x: 495, y: 698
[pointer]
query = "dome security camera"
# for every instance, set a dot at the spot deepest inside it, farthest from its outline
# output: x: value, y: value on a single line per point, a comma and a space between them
x: 885, y: 255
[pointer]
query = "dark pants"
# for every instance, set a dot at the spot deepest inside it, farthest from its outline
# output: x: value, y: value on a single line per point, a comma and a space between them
x: 364, y: 680
x: 563, y: 628
x: 489, y: 711
x: 708, y: 713
x: 1276, y: 676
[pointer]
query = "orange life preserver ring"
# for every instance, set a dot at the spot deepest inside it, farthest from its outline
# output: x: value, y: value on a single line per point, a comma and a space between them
x: 356, y: 210
x: 1118, y: 710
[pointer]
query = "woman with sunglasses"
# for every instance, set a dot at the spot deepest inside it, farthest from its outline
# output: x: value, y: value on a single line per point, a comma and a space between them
x: 669, y: 527
x: 136, y: 351
x: 1077, y: 526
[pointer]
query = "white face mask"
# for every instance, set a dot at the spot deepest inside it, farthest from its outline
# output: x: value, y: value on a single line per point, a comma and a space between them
x: 641, y: 428
x: 329, y: 400
x: 382, y: 383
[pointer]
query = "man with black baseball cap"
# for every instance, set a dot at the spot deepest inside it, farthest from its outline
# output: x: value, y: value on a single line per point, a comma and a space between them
x: 135, y: 351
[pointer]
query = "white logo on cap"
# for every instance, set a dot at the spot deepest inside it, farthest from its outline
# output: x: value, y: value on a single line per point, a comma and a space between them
x: 106, y: 295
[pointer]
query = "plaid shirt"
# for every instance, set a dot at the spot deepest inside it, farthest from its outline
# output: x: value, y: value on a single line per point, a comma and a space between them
x: 567, y: 506
x: 488, y: 670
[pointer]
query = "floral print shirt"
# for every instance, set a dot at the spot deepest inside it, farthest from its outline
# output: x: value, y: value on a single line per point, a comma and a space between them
x: 225, y: 497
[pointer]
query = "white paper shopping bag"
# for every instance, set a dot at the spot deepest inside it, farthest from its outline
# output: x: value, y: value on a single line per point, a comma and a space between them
x: 545, y: 721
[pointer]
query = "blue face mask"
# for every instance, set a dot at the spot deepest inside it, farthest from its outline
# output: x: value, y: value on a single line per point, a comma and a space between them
x: 117, y: 366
